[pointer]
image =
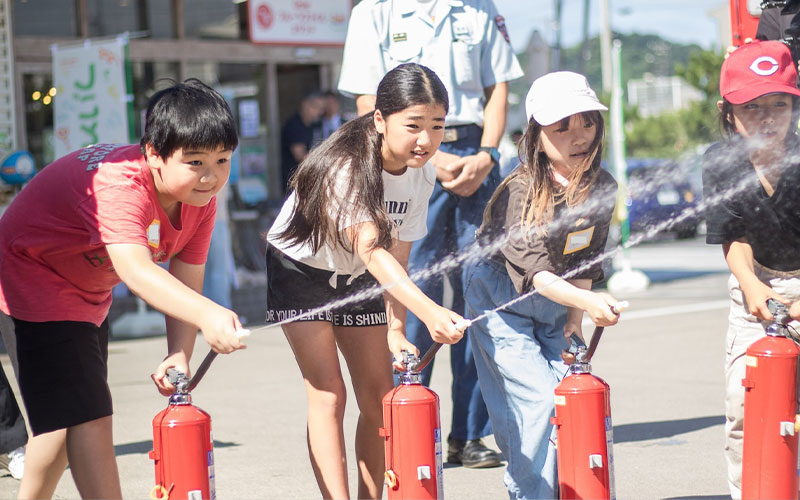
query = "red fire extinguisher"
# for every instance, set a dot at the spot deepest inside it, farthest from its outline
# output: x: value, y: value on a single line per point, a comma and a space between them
x: 584, y: 435
x: 412, y: 435
x: 769, y: 455
x: 183, y: 448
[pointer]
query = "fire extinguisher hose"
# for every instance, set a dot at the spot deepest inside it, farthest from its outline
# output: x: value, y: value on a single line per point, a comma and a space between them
x: 203, y: 368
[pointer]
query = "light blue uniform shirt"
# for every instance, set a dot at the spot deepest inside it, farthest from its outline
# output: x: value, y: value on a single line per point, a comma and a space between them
x: 466, y: 46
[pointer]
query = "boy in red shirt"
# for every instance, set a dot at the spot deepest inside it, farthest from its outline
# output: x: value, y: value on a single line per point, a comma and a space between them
x: 98, y: 216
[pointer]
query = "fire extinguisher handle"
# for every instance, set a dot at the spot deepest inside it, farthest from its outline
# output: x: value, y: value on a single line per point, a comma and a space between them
x: 575, y: 344
x: 201, y: 370
x: 428, y: 356
x: 620, y: 306
x: 174, y: 375
x: 598, y: 332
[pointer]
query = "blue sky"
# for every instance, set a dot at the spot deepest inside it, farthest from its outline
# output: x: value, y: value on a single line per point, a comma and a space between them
x: 684, y: 21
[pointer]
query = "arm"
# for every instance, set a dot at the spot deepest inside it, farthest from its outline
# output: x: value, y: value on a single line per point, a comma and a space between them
x: 396, y: 312
x: 575, y: 314
x: 365, y: 104
x: 389, y: 272
x: 176, y: 295
x: 464, y: 175
x: 299, y: 151
x: 597, y: 305
x: 739, y: 256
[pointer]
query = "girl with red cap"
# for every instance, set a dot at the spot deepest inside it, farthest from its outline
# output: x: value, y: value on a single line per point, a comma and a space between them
x: 750, y: 182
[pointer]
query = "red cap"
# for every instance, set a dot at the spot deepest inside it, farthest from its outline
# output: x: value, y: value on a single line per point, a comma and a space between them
x: 756, y: 69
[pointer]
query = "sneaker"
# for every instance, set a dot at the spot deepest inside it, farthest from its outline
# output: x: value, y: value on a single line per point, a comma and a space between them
x: 472, y: 454
x: 14, y: 462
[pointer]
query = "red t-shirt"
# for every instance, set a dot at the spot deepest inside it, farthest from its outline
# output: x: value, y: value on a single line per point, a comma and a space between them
x: 53, y: 262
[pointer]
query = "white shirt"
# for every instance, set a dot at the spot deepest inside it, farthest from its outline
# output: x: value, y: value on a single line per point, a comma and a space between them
x: 405, y: 198
x: 465, y: 45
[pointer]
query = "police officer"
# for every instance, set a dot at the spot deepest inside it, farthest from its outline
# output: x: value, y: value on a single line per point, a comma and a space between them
x: 466, y: 43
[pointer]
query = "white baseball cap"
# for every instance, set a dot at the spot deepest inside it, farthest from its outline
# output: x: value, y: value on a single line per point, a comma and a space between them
x: 555, y: 96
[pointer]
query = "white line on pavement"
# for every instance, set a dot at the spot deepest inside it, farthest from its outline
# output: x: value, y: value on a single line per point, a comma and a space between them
x: 666, y: 311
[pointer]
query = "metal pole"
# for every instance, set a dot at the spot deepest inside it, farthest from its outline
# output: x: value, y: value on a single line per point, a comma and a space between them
x: 605, y: 46
x: 618, y: 135
x: 554, y: 66
x: 585, y: 42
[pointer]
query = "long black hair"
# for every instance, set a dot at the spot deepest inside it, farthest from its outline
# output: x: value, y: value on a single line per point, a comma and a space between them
x: 318, y: 182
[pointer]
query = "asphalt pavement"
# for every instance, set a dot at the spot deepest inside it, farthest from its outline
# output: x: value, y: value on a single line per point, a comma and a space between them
x: 663, y: 361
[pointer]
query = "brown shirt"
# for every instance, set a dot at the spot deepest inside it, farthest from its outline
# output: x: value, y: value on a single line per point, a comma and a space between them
x: 575, y: 237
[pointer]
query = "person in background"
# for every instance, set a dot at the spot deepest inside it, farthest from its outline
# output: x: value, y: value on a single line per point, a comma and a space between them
x: 220, y: 267
x: 332, y: 119
x: 510, y: 153
x: 775, y: 18
x: 300, y: 133
x: 466, y: 43
x: 13, y: 434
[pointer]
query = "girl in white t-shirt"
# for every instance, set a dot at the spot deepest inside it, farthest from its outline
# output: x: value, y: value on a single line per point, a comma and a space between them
x: 357, y: 203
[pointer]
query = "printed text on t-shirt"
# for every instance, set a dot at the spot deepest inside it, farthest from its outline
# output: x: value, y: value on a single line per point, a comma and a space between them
x: 95, y: 154
x: 395, y: 209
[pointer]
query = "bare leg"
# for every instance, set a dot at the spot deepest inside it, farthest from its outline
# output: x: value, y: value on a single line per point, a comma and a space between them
x: 315, y: 350
x: 369, y: 361
x: 90, y: 448
x: 45, y: 461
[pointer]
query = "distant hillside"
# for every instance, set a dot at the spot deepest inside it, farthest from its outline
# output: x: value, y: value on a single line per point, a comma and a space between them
x: 640, y: 54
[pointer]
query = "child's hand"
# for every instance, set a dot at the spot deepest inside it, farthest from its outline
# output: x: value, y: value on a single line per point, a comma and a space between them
x: 447, y: 166
x: 397, y: 344
x: 731, y: 48
x: 177, y: 361
x: 794, y: 311
x: 756, y: 293
x: 219, y: 326
x: 442, y: 326
x: 569, y: 329
x: 599, y: 308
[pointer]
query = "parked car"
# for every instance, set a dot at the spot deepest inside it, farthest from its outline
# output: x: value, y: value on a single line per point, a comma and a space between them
x: 660, y: 190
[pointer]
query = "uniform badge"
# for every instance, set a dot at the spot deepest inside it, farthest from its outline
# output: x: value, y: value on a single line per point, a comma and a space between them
x: 578, y: 240
x: 399, y: 37
x: 501, y: 26
x: 154, y: 233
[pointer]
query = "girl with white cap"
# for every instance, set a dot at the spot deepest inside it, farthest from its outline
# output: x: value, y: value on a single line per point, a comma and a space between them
x: 548, y: 218
x: 750, y: 182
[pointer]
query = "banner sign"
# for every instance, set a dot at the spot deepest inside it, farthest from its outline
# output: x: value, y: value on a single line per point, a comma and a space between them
x: 298, y: 22
x: 91, y: 102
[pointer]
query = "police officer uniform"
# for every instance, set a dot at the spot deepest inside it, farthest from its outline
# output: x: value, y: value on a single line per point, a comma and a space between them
x: 466, y: 43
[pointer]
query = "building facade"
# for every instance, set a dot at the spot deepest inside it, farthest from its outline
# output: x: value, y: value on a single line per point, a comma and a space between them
x: 168, y: 40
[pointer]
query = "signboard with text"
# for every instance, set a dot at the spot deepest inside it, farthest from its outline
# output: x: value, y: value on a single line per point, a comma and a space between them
x: 91, y: 101
x: 298, y: 22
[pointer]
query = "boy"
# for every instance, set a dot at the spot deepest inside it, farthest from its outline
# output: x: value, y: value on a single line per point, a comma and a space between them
x: 98, y: 216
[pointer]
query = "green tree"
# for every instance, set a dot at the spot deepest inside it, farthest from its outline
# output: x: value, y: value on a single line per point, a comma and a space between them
x: 672, y: 134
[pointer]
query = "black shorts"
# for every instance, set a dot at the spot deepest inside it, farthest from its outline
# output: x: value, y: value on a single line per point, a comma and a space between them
x: 63, y: 373
x: 294, y: 288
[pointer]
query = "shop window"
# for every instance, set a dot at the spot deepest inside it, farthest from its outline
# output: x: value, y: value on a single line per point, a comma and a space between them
x: 39, y: 93
x: 44, y: 18
x: 150, y: 18
x: 220, y: 19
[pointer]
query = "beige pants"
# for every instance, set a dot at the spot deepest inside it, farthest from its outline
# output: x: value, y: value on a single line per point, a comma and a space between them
x: 743, y: 330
